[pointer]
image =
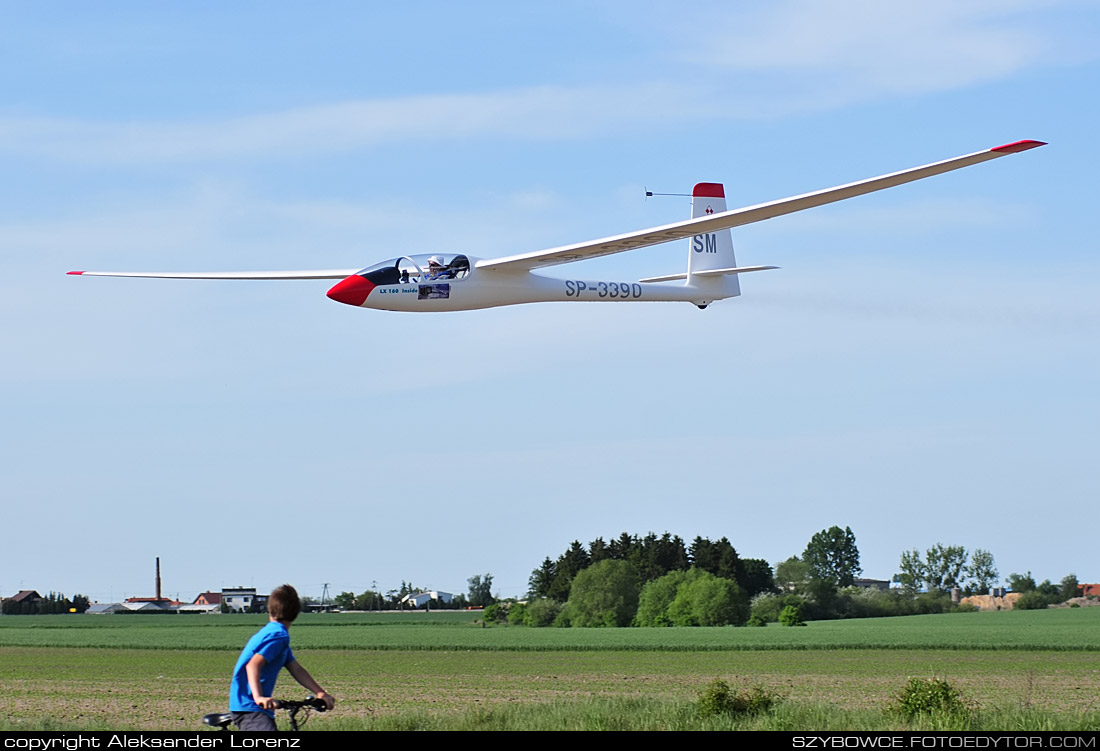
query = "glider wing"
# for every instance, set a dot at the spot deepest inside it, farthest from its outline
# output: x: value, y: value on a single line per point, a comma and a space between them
x: 737, y: 217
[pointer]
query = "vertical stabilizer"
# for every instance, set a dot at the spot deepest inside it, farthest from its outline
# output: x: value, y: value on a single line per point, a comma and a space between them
x: 713, y: 250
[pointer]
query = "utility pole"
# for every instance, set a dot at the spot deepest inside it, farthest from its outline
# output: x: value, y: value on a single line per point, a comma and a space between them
x: 324, y: 596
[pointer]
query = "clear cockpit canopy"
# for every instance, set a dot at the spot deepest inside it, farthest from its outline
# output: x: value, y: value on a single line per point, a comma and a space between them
x: 417, y: 269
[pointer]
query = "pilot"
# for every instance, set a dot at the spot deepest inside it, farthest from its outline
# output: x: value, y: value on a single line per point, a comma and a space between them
x: 437, y: 269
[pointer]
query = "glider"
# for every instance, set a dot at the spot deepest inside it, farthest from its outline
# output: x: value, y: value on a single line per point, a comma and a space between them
x: 455, y: 281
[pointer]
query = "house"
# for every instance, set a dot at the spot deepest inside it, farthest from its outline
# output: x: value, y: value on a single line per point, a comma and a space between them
x: 208, y: 598
x: 23, y: 603
x: 1089, y: 590
x: 241, y: 599
x: 28, y: 596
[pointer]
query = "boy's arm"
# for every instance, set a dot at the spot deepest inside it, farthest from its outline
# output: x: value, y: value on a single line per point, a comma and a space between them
x: 305, y: 680
x: 252, y: 670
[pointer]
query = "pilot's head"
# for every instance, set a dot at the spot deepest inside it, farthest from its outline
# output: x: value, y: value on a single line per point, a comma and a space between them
x: 435, y: 263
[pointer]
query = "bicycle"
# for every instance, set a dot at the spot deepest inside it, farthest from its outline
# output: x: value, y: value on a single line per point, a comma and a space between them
x: 223, y: 720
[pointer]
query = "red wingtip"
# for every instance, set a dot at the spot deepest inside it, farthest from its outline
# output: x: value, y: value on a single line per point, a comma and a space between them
x: 74, y: 273
x: 1012, y: 148
x: 708, y: 190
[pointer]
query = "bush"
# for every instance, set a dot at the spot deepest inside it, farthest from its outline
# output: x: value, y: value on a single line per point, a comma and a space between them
x: 929, y: 696
x: 495, y: 613
x: 791, y: 616
x: 541, y: 612
x: 1033, y: 600
x: 719, y: 699
x: 517, y: 614
x: 768, y: 607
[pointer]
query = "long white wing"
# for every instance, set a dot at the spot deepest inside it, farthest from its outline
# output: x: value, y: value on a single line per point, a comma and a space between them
x: 321, y: 274
x: 737, y: 217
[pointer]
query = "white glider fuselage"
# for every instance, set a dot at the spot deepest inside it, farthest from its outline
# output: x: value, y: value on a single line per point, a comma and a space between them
x: 484, y: 288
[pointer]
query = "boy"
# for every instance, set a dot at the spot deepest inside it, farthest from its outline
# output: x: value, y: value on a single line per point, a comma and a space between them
x: 259, y: 664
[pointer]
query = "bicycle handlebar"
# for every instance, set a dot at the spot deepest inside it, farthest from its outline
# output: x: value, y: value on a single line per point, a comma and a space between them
x: 312, y: 702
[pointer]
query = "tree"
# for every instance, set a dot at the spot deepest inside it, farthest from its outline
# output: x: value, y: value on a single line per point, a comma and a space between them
x: 345, y: 600
x: 791, y: 575
x: 729, y: 563
x: 369, y: 600
x: 913, y: 572
x: 656, y: 596
x: 703, y: 554
x: 480, y: 590
x: 832, y: 557
x: 981, y: 572
x: 571, y: 563
x: 704, y: 599
x: 944, y: 566
x: 542, y: 579
x: 598, y: 550
x: 621, y: 548
x: 1069, y: 588
x: 1021, y: 582
x: 604, y: 594
x: 758, y: 577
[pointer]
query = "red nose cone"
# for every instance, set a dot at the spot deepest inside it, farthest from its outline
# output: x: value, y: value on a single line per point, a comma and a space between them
x: 351, y: 291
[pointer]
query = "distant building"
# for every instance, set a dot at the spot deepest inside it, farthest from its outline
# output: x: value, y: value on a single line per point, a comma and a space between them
x: 883, y: 584
x: 243, y: 599
x: 208, y: 598
x: 1089, y: 590
x: 420, y: 598
x: 26, y: 595
x: 193, y: 608
x: 23, y: 602
x: 105, y: 608
x: 149, y: 604
x: 162, y: 603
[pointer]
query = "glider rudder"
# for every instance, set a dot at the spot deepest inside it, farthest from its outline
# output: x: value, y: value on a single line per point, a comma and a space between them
x: 712, y: 250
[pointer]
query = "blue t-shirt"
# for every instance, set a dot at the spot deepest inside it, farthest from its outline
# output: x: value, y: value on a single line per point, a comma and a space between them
x: 273, y: 642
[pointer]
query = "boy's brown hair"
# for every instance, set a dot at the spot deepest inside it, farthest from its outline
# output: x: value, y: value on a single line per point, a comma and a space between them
x: 283, y: 604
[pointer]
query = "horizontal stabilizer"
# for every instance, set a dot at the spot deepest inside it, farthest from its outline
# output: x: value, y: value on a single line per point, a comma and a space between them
x: 709, y: 272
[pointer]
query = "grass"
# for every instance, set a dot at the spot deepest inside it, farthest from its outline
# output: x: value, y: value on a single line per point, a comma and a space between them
x: 1076, y: 630
x: 1023, y: 671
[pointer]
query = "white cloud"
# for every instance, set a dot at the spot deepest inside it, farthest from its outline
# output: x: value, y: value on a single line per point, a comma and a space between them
x: 783, y: 59
x: 539, y: 112
x: 816, y: 54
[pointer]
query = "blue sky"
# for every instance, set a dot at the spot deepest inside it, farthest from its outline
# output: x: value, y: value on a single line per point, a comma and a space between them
x: 923, y: 368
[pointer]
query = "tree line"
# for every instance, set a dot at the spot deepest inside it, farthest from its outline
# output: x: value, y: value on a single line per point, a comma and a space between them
x: 51, y: 604
x: 651, y: 557
x: 660, y: 581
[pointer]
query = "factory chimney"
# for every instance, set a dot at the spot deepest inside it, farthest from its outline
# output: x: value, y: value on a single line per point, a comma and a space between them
x: 158, y: 578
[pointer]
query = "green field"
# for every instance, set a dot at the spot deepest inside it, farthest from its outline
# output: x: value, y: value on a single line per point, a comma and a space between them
x: 1028, y: 669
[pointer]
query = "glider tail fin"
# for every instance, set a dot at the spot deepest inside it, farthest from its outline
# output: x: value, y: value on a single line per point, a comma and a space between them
x: 713, y: 250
